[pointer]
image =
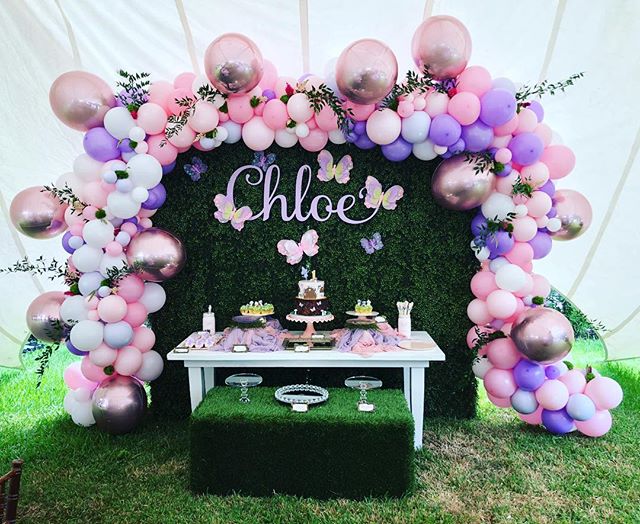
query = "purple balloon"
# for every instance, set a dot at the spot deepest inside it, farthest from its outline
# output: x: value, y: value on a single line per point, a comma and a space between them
x: 351, y: 137
x: 65, y: 242
x: 552, y: 372
x: 541, y: 244
x: 360, y: 127
x: 269, y: 94
x: 458, y: 147
x: 537, y: 108
x: 497, y: 107
x: 445, y: 130
x: 100, y: 145
x: 125, y: 146
x: 478, y: 224
x: 528, y: 375
x: 500, y: 243
x: 364, y: 142
x: 526, y: 148
x: 157, y: 196
x: 477, y: 136
x: 558, y: 422
x: 552, y: 212
x: 74, y: 350
x: 168, y: 168
x: 505, y: 170
x: 549, y: 188
x: 398, y: 150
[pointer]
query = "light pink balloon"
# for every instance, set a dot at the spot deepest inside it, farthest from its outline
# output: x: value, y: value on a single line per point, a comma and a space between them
x: 527, y: 122
x: 508, y: 128
x: 574, y: 212
x: 257, y: 135
x: 275, y: 114
x: 184, y: 80
x: 204, y: 117
x: 472, y: 336
x: 327, y: 119
x: 539, y: 204
x: 299, y: 108
x: 103, y: 356
x: 464, y: 107
x: 315, y: 140
x: 534, y: 418
x: 136, y: 314
x: 233, y: 63
x: 605, y: 392
x: 443, y: 45
x: 559, y: 159
x: 281, y: 85
x: 240, y: 110
x: 552, y: 395
x: 504, y: 184
x: 112, y: 308
x: 501, y: 304
x: 597, y: 425
x: 436, y: 103
x: 500, y: 383
x: 474, y: 79
x: 360, y: 111
x: 483, y: 283
x: 90, y: 371
x: 159, y: 93
x: 524, y: 228
x: 37, y: 213
x: 544, y: 133
x: 183, y: 138
x: 166, y: 153
x: 521, y: 254
x: 80, y: 99
x: 503, y: 353
x: 527, y: 289
x: 269, y: 75
x: 537, y: 174
x: 74, y: 378
x: 128, y: 361
x: 503, y: 155
x: 574, y: 380
x: 541, y: 286
x: 384, y: 126
x: 478, y: 312
x: 499, y: 402
x: 143, y: 338
x: 130, y: 288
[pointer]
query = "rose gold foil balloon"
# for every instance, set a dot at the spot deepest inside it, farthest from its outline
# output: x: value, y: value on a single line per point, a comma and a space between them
x: 119, y: 404
x: 574, y: 212
x: 43, y: 316
x: 442, y: 44
x: 80, y: 99
x: 543, y: 335
x: 455, y: 185
x: 366, y: 71
x: 233, y: 63
x: 158, y: 253
x: 37, y: 213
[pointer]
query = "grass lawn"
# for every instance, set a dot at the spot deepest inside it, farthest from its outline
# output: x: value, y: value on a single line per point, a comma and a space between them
x: 492, y: 469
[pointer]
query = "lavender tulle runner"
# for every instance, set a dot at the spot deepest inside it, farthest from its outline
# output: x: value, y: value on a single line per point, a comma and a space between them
x: 367, y: 341
x: 258, y: 340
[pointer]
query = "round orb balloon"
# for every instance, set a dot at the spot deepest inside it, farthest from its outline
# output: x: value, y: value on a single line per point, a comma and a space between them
x: 441, y: 44
x: 455, y: 184
x: 36, y: 213
x: 233, y: 64
x: 366, y: 71
x: 574, y: 212
x: 543, y: 335
x: 157, y: 253
x: 119, y: 403
x: 43, y: 316
x: 80, y: 99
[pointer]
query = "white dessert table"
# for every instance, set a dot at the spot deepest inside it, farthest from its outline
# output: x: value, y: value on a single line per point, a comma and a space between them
x: 201, y: 364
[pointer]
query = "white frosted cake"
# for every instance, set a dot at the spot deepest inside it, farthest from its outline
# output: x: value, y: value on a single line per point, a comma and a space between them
x: 311, y: 300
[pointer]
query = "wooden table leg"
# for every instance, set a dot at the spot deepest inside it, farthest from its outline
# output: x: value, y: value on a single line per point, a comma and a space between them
x: 196, y: 386
x: 417, y: 404
x: 406, y: 374
x: 209, y: 378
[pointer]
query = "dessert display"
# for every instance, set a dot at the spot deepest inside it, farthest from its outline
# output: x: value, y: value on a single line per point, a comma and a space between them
x: 311, y: 300
x: 257, y: 308
x: 363, y: 307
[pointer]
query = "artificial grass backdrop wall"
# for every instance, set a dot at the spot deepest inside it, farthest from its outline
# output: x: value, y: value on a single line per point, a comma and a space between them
x: 426, y: 259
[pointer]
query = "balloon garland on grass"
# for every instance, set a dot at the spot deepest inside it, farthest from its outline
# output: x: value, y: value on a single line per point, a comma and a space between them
x: 498, y: 157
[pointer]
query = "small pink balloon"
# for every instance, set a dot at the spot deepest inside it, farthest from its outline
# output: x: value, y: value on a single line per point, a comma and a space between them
x: 501, y: 141
x: 161, y: 149
x: 36, y: 213
x: 521, y: 254
x: 536, y: 174
x: 464, y: 107
x: 474, y: 79
x: 501, y: 304
x: 360, y: 111
x: 95, y: 194
x: 128, y: 361
x: 74, y: 379
x: 597, y: 425
x: 527, y: 122
x: 326, y: 119
x: 240, y: 110
x: 472, y: 335
x: 315, y: 140
x: 159, y: 93
x: 233, y: 63
x: 72, y: 217
x: 527, y: 289
x: 541, y: 286
x: 129, y: 228
x: 90, y: 371
x: 436, y: 103
x: 504, y: 184
x: 257, y: 135
x: 178, y: 94
x: 143, y: 338
x: 524, y: 228
x: 113, y: 249
x: 559, y: 159
x: 552, y: 395
x: 605, y: 392
x: 534, y: 418
x: 441, y: 44
x: 183, y: 138
x: 275, y: 114
x: 574, y: 212
x: 112, y: 308
x: 503, y: 353
x: 500, y: 383
x: 539, y: 204
x: 383, y: 127
x: 184, y: 80
x: 574, y: 380
x: 508, y: 128
x: 103, y: 356
x: 478, y: 312
x: 405, y: 108
x: 544, y: 133
x: 483, y: 283
x: 80, y: 99
x: 269, y: 75
x: 204, y: 117
x: 136, y: 314
x: 499, y: 402
x: 503, y: 155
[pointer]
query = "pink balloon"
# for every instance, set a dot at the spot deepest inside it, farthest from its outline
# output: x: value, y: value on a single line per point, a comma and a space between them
x: 80, y: 99
x: 159, y: 93
x: 129, y: 228
x: 559, y: 159
x: 299, y: 108
x: 503, y: 155
x: 574, y: 381
x: 275, y: 114
x: 534, y: 418
x: 103, y: 356
x: 500, y: 383
x: 574, y: 212
x: 436, y: 103
x: 474, y: 79
x: 503, y: 353
x: 204, y: 117
x: 165, y: 154
x: 544, y: 133
x: 130, y: 288
x: 315, y: 140
x: 521, y: 254
x: 360, y: 111
x: 90, y: 371
x: 257, y: 135
x: 74, y: 378
x: 539, y: 204
x: 524, y: 228
x: 472, y: 336
x: 112, y: 308
x: 269, y: 75
x: 527, y: 289
x: 499, y: 402
x: 327, y: 119
x: 128, y: 361
x: 478, y: 313
x: 537, y: 174
x: 136, y: 314
x: 483, y: 283
x: 541, y: 286
x: 233, y: 63
x: 178, y: 94
x: 152, y: 118
x: 183, y: 138
x: 37, y: 213
x: 240, y: 110
x: 281, y: 85
x: 501, y: 304
x: 552, y: 395
x: 597, y: 425
x: 184, y: 80
x: 605, y: 392
x: 384, y: 126
x: 405, y: 108
x: 113, y: 249
x: 464, y: 107
x: 527, y: 122
x: 504, y: 184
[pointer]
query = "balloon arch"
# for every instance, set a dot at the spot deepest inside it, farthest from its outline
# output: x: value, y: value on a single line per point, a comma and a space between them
x: 498, y: 157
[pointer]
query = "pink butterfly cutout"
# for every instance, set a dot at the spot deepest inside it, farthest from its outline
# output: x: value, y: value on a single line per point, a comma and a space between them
x: 294, y: 251
x: 339, y: 171
x: 227, y: 212
x: 376, y: 197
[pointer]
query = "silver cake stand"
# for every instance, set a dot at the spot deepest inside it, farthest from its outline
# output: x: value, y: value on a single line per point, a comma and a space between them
x: 309, y: 320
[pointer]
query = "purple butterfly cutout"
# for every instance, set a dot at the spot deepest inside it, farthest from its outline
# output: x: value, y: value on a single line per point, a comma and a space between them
x: 373, y: 244
x: 196, y: 168
x: 263, y: 161
x: 304, y: 272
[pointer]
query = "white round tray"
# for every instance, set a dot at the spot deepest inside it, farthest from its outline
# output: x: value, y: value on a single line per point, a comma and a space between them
x: 304, y: 318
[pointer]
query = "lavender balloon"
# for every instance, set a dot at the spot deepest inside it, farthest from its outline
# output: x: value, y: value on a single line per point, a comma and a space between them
x: 168, y: 168
x: 398, y: 150
x: 558, y: 422
x: 537, y: 108
x: 65, y: 242
x: 528, y: 375
x: 364, y: 142
x: 118, y: 334
x: 552, y: 372
x: 549, y: 188
x: 500, y: 243
x: 541, y: 244
x: 74, y: 350
x: 524, y: 401
x: 478, y: 224
x: 497, y: 107
x: 580, y: 407
x: 457, y: 148
x: 477, y: 136
x: 526, y: 148
x: 445, y: 130
x: 100, y: 145
x: 157, y: 197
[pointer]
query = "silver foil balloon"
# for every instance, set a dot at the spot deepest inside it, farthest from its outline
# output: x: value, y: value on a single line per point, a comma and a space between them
x: 455, y: 184
x: 43, y: 316
x: 119, y: 404
x: 233, y: 63
x: 157, y: 253
x: 543, y: 335
x: 37, y: 213
x: 574, y: 212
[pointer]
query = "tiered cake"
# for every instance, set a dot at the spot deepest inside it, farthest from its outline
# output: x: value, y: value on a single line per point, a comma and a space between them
x: 311, y: 300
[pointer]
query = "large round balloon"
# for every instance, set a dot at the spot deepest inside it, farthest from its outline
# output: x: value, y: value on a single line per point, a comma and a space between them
x: 366, y: 71
x: 119, y: 403
x: 574, y: 212
x: 37, y: 213
x: 43, y: 316
x: 542, y: 334
x: 157, y: 253
x: 455, y: 184
x: 80, y: 99
x: 233, y: 63
x: 441, y: 44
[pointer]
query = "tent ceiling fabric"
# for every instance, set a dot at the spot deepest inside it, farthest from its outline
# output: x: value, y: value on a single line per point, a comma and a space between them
x: 41, y: 40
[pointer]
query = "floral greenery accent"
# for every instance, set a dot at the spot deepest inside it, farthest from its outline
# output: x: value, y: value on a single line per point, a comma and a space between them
x: 583, y: 326
x: 542, y: 88
x: 135, y: 89
x: 121, y: 174
x: 569, y: 364
x: 322, y: 96
x: 46, y: 350
x: 116, y: 274
x: 522, y: 188
x: 484, y: 338
x: 256, y: 101
x: 175, y: 123
x: 101, y: 213
x: 590, y: 374
x: 65, y: 196
x: 40, y: 266
x: 483, y: 162
x: 413, y: 82
x: 537, y: 300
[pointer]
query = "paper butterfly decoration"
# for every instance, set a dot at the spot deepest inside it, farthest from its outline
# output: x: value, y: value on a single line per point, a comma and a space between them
x: 294, y: 251
x: 196, y: 168
x: 376, y: 197
x: 263, y: 161
x: 304, y: 272
x: 339, y: 171
x: 373, y: 244
x: 227, y: 212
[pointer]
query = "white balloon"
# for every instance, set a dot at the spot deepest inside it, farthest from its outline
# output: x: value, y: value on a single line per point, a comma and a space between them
x: 121, y: 205
x: 108, y: 262
x: 118, y: 121
x: 88, y: 283
x: 98, y: 233
x: 480, y: 366
x: 71, y: 180
x: 415, y: 129
x: 82, y: 414
x: 141, y: 148
x: 82, y: 394
x: 87, y: 168
x: 114, y: 165
x: 73, y: 309
x: 87, y: 258
x: 76, y: 242
x: 128, y: 155
x: 498, y: 206
x: 234, y: 131
x: 69, y: 402
x: 497, y: 263
x: 221, y: 133
x: 139, y: 194
x: 153, y: 297
x: 103, y: 355
x: 137, y: 134
x: 207, y: 143
x: 87, y: 335
x: 521, y: 210
x: 302, y: 130
x: 336, y: 136
x: 144, y: 170
x: 284, y: 139
x: 152, y: 366
x: 440, y: 150
x: 424, y: 150
x: 554, y: 224
x: 511, y: 277
x: 483, y: 254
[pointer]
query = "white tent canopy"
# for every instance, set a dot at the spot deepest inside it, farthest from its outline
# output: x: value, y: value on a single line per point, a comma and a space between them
x: 526, y: 41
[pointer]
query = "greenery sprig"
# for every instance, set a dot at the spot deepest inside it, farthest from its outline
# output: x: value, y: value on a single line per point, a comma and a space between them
x: 135, y: 89
x: 414, y: 82
x: 482, y: 338
x: 520, y: 187
x: 322, y: 96
x: 482, y: 162
x: 116, y: 274
x: 543, y: 88
x: 66, y: 196
x: 491, y: 228
x: 40, y: 266
x: 44, y: 357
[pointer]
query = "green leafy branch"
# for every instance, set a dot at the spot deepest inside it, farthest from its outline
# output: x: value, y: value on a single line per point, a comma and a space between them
x: 543, y: 88
x: 520, y: 187
x: 322, y: 96
x: 66, y: 196
x: 40, y: 266
x: 482, y: 338
x: 482, y: 162
x: 413, y: 83
x: 116, y: 274
x: 135, y: 89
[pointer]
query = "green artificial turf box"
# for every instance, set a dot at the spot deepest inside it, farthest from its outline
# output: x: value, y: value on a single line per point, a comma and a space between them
x: 262, y: 447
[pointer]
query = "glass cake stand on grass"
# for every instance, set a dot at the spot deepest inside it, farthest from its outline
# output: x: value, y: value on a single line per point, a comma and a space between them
x: 244, y: 381
x: 309, y: 320
x: 363, y: 384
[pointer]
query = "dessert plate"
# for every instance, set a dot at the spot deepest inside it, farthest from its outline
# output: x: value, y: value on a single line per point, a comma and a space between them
x: 354, y: 314
x: 416, y: 345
